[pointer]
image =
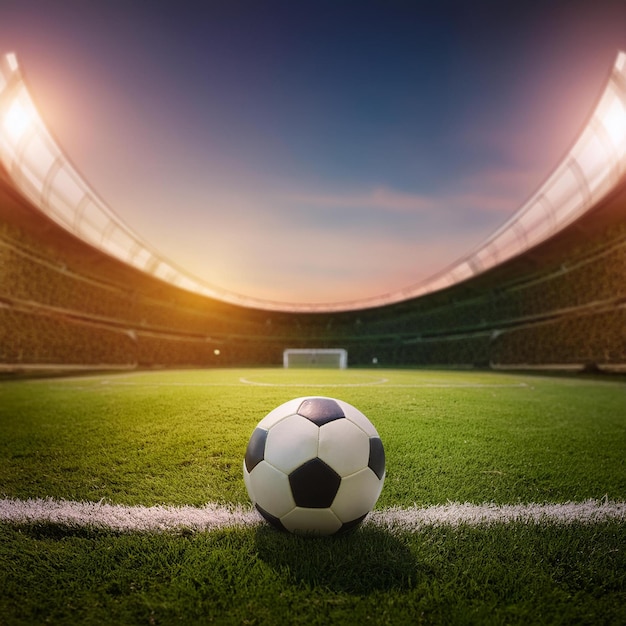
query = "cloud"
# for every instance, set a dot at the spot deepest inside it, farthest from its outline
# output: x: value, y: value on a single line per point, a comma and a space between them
x: 480, y: 202
x: 498, y: 190
x: 379, y: 198
x: 317, y: 246
x: 323, y: 263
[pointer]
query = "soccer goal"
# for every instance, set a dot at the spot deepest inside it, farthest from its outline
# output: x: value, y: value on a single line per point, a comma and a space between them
x: 315, y: 357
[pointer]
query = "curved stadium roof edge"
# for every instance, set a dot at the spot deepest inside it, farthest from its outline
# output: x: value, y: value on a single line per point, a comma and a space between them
x: 41, y: 171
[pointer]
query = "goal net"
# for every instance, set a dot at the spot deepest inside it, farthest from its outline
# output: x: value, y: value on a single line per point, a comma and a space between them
x: 315, y: 357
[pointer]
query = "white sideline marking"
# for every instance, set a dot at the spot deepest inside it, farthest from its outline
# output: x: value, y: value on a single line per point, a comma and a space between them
x: 454, y: 514
x: 126, y: 518
x: 212, y: 516
x: 379, y: 381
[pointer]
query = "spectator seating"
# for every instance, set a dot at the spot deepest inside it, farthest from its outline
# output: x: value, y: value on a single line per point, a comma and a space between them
x: 63, y: 303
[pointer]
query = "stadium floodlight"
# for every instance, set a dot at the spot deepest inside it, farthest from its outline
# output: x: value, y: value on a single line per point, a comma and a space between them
x: 41, y: 171
x: 315, y: 357
x: 16, y: 121
x: 11, y: 61
x: 614, y: 120
x: 45, y: 176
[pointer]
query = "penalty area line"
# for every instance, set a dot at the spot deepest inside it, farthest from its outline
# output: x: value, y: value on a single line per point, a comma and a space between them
x: 120, y: 518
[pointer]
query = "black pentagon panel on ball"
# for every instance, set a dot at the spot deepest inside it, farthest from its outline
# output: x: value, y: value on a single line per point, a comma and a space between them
x: 376, y: 461
x: 320, y: 410
x: 314, y: 484
x: 272, y: 519
x: 256, y: 448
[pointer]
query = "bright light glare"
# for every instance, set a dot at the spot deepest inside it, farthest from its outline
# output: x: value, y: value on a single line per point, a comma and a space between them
x: 12, y: 61
x: 614, y: 121
x: 16, y: 121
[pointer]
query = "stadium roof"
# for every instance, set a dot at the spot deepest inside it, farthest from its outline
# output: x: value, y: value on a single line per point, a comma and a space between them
x: 41, y: 171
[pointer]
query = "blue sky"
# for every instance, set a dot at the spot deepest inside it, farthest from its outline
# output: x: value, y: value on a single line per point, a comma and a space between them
x: 320, y: 151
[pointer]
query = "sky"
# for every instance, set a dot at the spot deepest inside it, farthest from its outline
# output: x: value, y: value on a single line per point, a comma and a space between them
x: 314, y: 151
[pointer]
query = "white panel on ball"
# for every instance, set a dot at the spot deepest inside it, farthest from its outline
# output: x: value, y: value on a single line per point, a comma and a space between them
x: 291, y: 442
x: 280, y: 413
x: 345, y: 460
x: 271, y: 489
x: 317, y: 521
x: 354, y: 415
x: 357, y: 495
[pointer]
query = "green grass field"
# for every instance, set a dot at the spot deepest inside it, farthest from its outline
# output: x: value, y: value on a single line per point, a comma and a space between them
x: 177, y: 438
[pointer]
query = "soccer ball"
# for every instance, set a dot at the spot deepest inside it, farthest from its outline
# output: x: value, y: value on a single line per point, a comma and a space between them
x: 314, y: 465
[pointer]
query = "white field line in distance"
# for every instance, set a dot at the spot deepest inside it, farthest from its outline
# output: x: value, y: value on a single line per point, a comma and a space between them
x: 121, y: 518
x: 242, y: 381
x: 126, y: 380
x: 369, y: 383
x: 382, y: 382
x: 373, y: 383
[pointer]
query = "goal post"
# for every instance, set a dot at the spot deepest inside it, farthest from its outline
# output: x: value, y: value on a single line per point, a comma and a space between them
x: 315, y: 357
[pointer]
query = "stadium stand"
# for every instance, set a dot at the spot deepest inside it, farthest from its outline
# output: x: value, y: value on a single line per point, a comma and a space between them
x: 65, y: 304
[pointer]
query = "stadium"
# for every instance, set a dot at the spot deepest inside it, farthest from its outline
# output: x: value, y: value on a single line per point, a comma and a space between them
x: 83, y: 290
x: 527, y: 527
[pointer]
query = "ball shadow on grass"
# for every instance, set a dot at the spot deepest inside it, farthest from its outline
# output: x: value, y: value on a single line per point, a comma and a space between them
x: 359, y: 562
